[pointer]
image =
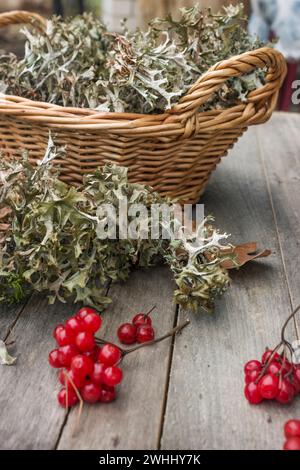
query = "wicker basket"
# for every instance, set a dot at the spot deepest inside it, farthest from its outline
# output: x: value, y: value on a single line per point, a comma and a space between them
x: 174, y: 152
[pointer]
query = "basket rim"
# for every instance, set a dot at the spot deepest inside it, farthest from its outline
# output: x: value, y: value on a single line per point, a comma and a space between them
x: 183, y: 117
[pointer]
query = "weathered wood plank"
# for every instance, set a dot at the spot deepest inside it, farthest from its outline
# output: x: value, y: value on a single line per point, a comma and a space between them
x: 206, y: 408
x: 29, y: 415
x: 134, y: 420
x: 282, y: 165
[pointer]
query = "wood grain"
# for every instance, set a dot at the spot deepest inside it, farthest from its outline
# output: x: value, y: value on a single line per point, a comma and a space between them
x: 282, y: 167
x: 29, y: 415
x: 255, y: 196
x: 206, y: 408
x: 134, y: 420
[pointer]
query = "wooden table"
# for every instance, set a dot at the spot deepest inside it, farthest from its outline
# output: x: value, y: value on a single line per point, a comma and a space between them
x: 186, y: 394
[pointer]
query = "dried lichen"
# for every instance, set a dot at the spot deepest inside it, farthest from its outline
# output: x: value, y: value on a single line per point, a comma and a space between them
x: 54, y: 245
x: 77, y: 62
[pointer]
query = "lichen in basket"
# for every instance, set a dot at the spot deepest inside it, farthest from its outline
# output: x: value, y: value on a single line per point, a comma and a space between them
x: 78, y: 63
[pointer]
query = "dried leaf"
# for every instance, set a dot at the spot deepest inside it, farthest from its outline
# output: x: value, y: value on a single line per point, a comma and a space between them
x: 243, y: 254
x: 237, y: 256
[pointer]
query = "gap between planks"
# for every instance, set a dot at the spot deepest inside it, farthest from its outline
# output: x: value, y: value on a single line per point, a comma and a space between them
x: 283, y: 119
x: 220, y: 418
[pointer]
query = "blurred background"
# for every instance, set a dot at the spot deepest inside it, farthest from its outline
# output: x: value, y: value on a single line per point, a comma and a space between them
x: 268, y: 19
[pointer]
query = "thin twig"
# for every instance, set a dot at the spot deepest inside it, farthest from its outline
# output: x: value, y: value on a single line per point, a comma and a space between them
x: 67, y: 376
x: 150, y: 311
x: 173, y: 332
x: 124, y: 352
x: 286, y: 323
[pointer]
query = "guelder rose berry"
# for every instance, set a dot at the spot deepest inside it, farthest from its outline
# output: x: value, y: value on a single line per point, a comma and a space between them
x: 109, y: 355
x: 252, y: 393
x: 293, y: 443
x: 84, y: 311
x: 91, y: 392
x: 145, y: 333
x: 90, y: 373
x: 292, y: 428
x: 54, y: 359
x: 85, y: 341
x: 67, y: 399
x: 87, y: 371
x: 127, y: 333
x: 112, y: 376
x: 82, y: 366
x: 66, y: 354
x: 268, y: 386
x: 91, y: 322
x: 141, y: 319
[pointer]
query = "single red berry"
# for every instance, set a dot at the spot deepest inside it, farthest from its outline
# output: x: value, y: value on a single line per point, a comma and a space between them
x: 267, y: 354
x: 293, y: 443
x: 54, y: 359
x: 268, y: 386
x: 97, y: 374
x: 251, y: 376
x: 93, y: 354
x: 66, y: 380
x: 91, y: 392
x: 67, y: 399
x: 82, y: 366
x: 141, y: 319
x: 286, y: 366
x: 112, y: 376
x: 252, y: 365
x: 62, y: 377
x: 285, y: 393
x: 252, y: 393
x: 74, y: 324
x: 109, y: 355
x: 63, y: 336
x: 91, y: 322
x: 108, y: 394
x: 85, y: 341
x: 274, y: 368
x: 145, y: 333
x: 127, y: 333
x: 84, y: 311
x: 57, y: 329
x: 66, y: 354
x: 292, y: 428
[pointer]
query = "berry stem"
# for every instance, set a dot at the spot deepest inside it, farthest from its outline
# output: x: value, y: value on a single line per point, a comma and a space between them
x: 173, y: 332
x: 262, y: 373
x: 67, y: 377
x: 286, y: 323
x: 150, y: 311
x: 124, y: 352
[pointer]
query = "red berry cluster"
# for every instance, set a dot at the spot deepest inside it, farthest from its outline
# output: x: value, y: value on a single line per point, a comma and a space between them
x: 273, y: 378
x: 86, y: 370
x: 292, y: 434
x: 140, y: 329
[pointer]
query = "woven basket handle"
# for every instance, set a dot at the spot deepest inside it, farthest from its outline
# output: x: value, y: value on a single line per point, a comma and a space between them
x: 264, y: 97
x: 22, y: 17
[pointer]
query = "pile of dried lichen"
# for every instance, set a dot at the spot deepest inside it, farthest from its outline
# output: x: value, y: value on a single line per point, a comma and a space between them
x: 77, y: 62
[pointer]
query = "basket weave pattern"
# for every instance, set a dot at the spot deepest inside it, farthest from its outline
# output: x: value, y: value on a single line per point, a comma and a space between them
x: 174, y: 152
